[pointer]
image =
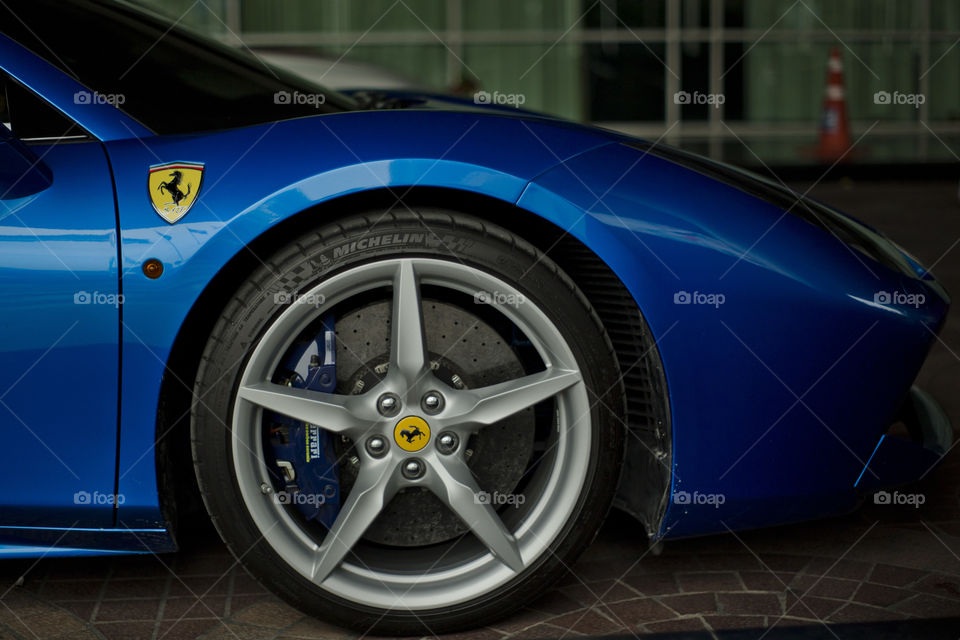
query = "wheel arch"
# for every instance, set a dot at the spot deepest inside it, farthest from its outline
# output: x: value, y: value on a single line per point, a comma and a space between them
x: 645, y: 481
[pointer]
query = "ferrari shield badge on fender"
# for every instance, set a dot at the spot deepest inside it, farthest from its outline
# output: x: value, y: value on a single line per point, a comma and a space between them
x: 174, y: 187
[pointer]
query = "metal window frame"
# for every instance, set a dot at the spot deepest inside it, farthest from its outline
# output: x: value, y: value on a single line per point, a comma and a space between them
x: 715, y: 130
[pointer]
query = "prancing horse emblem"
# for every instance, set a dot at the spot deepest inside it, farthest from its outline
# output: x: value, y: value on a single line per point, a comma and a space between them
x: 410, y: 434
x: 173, y: 188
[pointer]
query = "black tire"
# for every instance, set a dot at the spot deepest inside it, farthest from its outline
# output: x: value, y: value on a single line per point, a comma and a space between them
x: 329, y: 250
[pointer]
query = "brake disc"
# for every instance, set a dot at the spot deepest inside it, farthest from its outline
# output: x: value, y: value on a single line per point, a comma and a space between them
x: 465, y: 352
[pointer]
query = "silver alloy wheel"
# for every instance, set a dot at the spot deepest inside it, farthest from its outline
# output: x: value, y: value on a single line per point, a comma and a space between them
x: 409, y: 581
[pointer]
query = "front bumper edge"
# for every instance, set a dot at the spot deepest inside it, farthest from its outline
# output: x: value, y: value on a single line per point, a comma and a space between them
x: 896, y: 461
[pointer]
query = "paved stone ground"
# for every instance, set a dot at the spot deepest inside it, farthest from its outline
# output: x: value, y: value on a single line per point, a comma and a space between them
x: 881, y: 563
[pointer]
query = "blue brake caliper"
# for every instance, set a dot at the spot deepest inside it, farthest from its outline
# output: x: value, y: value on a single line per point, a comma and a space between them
x: 302, y: 455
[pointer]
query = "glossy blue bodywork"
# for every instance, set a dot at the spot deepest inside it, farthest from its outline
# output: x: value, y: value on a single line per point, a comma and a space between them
x: 59, y: 309
x: 778, y: 395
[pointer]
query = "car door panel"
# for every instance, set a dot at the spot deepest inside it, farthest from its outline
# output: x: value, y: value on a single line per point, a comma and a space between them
x: 59, y: 326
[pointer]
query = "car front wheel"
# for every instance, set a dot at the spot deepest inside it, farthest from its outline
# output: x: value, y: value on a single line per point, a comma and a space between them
x: 408, y: 424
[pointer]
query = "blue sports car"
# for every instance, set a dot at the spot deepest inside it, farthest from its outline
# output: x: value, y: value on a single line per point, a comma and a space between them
x: 406, y: 350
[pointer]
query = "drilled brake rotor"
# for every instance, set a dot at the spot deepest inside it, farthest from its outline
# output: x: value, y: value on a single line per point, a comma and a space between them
x: 465, y: 352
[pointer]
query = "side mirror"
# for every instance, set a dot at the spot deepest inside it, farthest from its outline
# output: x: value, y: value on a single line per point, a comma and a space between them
x: 21, y: 172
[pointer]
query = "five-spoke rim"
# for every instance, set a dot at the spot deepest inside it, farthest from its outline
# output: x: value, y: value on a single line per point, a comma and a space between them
x: 440, y: 466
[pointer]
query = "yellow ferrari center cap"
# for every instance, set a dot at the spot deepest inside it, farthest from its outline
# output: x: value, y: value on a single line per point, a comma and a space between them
x: 412, y: 433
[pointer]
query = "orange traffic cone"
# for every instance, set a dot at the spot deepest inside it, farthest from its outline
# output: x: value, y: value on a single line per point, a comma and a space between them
x: 835, y: 127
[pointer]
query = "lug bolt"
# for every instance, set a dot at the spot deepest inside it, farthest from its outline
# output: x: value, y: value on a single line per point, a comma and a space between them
x: 388, y: 405
x: 377, y: 446
x: 432, y: 403
x: 412, y: 469
x: 447, y: 442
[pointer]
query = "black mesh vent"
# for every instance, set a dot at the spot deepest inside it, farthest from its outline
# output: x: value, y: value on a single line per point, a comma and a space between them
x: 645, y: 482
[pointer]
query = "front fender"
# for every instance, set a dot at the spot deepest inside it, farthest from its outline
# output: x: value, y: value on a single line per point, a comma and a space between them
x: 258, y: 177
x: 783, y: 368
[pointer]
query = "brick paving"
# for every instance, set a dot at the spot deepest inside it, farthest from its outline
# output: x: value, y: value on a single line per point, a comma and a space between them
x: 881, y: 564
